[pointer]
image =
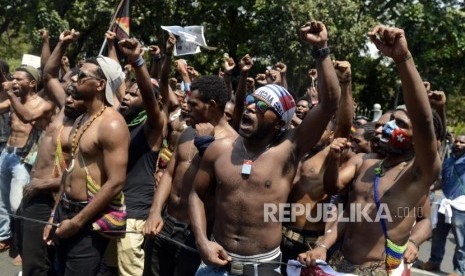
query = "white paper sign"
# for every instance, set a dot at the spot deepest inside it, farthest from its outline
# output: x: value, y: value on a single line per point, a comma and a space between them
x: 31, y: 60
x: 189, y: 40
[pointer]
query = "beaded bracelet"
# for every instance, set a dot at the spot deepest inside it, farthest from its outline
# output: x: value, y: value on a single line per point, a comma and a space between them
x: 138, y: 62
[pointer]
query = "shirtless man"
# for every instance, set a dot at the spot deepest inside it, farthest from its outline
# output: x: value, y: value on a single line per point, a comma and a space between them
x: 206, y: 105
x: 399, y: 181
x: 96, y: 172
x: 257, y: 168
x: 301, y: 234
x: 52, y: 155
x: 30, y: 113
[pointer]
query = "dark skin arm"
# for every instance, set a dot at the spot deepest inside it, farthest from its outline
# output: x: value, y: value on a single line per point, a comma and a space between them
x: 229, y: 65
x: 345, y: 112
x: 437, y: 99
x: 52, y: 68
x: 155, y: 122
x: 170, y: 101
x: 282, y: 69
x: 246, y: 63
x: 154, y: 222
x: 421, y: 231
x: 318, y: 117
x: 45, y: 53
x: 392, y: 43
x: 110, y: 36
x: 211, y: 252
x: 154, y: 52
x: 28, y: 115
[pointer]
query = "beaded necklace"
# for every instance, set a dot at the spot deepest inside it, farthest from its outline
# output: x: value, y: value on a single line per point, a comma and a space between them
x: 76, y: 139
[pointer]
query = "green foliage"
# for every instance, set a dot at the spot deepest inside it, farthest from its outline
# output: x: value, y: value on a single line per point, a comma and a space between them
x: 268, y: 30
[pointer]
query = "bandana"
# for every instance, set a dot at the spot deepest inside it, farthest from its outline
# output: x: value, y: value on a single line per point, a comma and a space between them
x: 396, y: 136
x: 278, y: 98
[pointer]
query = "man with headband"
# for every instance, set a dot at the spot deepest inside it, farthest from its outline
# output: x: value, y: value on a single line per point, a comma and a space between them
x: 255, y: 170
x: 393, y: 190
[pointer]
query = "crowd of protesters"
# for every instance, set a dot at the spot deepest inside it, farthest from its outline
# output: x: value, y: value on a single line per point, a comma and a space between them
x: 110, y: 169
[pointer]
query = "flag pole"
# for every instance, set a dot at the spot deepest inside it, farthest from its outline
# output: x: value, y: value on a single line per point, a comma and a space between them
x: 104, y: 44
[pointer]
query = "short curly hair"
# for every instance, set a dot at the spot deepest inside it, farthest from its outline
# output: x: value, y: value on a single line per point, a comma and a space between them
x: 211, y: 88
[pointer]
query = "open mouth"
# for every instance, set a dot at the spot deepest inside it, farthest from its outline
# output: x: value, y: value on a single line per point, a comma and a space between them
x: 246, y: 120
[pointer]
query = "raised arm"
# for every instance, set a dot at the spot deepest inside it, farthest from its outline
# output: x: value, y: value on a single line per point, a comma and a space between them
x: 282, y: 69
x: 309, y: 131
x: 229, y: 65
x: 334, y: 178
x: 437, y: 99
x: 170, y: 102
x: 110, y: 36
x: 392, y: 43
x: 52, y: 68
x: 132, y: 49
x: 45, y: 53
x: 155, y: 54
x: 345, y: 112
x: 246, y: 63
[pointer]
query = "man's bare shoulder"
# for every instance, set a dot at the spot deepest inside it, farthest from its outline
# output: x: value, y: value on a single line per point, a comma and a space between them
x: 361, y: 158
x: 187, y: 135
x: 113, y: 125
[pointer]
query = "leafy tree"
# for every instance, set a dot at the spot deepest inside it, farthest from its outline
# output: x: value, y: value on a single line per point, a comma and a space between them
x: 268, y: 30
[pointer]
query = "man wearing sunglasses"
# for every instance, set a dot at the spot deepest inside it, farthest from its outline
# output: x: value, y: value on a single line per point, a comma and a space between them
x: 96, y: 173
x: 257, y: 169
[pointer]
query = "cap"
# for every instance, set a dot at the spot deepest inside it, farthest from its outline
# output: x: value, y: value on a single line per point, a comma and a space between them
x: 31, y: 70
x: 114, y: 75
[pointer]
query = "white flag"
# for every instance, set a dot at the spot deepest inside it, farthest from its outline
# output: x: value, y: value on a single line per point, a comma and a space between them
x: 189, y: 40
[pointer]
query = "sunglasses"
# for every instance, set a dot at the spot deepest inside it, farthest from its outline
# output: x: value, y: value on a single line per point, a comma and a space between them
x: 260, y: 105
x: 81, y: 76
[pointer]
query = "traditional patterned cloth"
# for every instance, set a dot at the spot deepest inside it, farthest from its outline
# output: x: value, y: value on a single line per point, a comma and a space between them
x: 60, y: 163
x: 279, y: 99
x: 113, y: 217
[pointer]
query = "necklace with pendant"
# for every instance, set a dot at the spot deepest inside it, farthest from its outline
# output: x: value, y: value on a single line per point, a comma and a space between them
x: 247, y: 163
x: 75, y: 141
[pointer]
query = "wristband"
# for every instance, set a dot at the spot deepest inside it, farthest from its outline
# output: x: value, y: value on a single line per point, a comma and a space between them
x: 321, y: 245
x: 321, y: 53
x: 414, y: 243
x: 156, y: 57
x: 52, y: 214
x: 345, y: 81
x: 138, y: 62
x: 202, y: 143
x: 409, y: 56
